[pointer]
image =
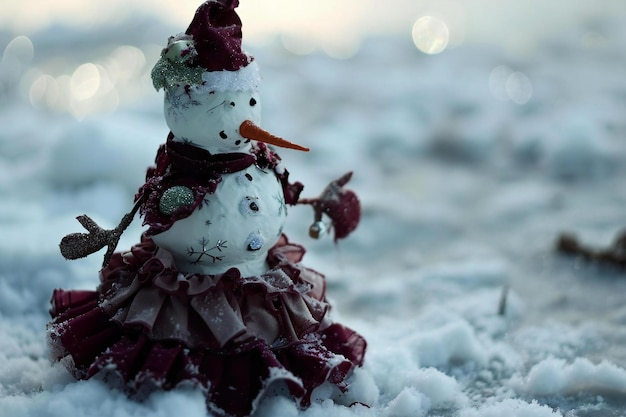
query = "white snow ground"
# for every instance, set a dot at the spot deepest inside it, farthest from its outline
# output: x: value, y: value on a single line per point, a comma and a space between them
x: 464, y: 191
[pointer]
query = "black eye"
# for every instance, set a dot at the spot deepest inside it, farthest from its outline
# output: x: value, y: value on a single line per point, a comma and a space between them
x: 223, y: 135
x: 252, y: 101
x: 232, y: 104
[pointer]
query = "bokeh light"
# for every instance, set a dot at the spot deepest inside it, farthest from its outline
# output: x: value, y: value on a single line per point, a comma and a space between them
x: 497, y: 82
x: 344, y: 48
x: 85, y: 82
x: 90, y: 87
x: 519, y: 87
x: 117, y: 73
x: 44, y: 91
x: 506, y: 84
x: 297, y: 44
x: 20, y: 50
x: 430, y: 35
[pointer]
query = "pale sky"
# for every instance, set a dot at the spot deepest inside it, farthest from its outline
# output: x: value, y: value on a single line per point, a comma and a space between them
x: 333, y: 26
x: 511, y: 22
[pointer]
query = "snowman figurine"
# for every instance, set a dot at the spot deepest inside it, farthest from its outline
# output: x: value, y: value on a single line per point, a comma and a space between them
x: 214, y: 295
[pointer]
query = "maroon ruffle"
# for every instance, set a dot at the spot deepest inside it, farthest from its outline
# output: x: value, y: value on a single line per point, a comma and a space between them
x: 145, y: 326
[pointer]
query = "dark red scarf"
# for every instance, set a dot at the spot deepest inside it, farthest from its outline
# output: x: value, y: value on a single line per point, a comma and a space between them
x: 182, y: 164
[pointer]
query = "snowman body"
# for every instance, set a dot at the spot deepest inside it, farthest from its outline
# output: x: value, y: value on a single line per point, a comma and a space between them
x: 233, y: 227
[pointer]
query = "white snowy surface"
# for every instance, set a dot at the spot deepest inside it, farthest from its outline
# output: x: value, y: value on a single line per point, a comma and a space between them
x: 466, y: 177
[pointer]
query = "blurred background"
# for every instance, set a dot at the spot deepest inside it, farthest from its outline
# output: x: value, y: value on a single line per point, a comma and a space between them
x: 80, y: 57
x: 477, y: 130
x: 474, y: 126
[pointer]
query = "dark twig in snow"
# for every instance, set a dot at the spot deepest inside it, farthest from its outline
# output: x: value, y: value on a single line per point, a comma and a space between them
x: 613, y: 255
x: 503, y: 299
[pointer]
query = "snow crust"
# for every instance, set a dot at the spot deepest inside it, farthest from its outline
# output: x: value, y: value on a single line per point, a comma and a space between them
x: 463, y: 195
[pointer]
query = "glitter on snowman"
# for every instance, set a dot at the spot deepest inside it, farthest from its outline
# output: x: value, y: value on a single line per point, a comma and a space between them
x: 214, y: 295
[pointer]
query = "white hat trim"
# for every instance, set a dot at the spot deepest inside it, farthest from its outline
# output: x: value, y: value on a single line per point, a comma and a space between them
x: 244, y: 79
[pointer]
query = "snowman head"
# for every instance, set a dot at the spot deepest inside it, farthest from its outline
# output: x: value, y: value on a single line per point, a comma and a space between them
x: 211, y: 85
x: 209, y: 115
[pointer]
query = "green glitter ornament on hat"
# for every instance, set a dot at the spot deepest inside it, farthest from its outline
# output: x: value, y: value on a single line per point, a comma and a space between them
x: 176, y: 64
x: 208, y: 55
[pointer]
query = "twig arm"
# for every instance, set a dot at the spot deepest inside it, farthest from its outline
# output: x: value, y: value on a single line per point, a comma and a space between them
x: 81, y: 245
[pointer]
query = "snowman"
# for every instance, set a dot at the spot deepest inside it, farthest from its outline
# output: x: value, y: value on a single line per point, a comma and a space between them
x: 214, y: 295
x: 235, y: 225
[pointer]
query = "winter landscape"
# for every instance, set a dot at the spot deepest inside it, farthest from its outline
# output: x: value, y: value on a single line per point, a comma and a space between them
x: 469, y: 164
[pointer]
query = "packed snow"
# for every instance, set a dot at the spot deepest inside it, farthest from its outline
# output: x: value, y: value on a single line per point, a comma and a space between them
x: 468, y: 163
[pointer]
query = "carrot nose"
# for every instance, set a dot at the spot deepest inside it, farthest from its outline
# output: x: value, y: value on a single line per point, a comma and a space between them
x: 251, y: 131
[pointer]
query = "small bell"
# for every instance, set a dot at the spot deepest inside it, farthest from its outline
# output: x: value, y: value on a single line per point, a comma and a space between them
x: 317, y: 229
x: 339, y: 204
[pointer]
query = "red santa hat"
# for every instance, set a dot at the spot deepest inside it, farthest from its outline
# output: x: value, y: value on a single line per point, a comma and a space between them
x: 208, y: 55
x: 216, y: 32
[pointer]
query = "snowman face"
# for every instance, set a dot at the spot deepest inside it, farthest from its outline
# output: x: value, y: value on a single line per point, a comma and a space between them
x: 211, y: 119
x: 234, y: 227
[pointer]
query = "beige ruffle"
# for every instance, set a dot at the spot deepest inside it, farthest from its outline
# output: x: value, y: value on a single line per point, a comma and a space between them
x: 221, y: 311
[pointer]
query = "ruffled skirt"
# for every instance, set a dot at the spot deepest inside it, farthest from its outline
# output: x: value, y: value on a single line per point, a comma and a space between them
x: 151, y: 327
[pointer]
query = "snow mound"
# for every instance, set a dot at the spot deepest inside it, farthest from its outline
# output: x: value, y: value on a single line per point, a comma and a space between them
x: 554, y: 376
x: 512, y: 408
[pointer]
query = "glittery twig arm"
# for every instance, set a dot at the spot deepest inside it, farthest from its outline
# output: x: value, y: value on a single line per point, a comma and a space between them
x: 81, y: 245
